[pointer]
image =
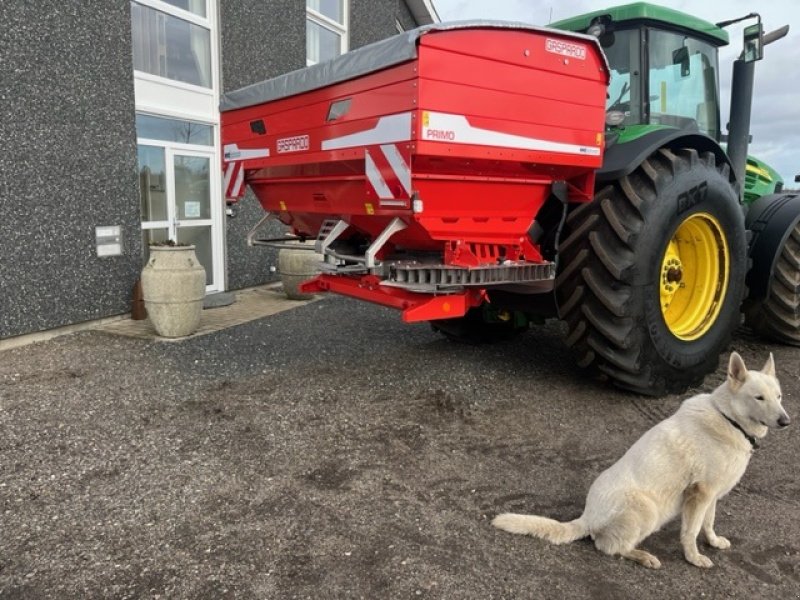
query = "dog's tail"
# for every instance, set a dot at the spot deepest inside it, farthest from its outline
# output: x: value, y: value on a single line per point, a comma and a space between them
x: 551, y: 530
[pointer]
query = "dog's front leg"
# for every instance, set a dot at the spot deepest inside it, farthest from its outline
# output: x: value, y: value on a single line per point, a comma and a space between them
x: 696, y: 501
x: 715, y: 540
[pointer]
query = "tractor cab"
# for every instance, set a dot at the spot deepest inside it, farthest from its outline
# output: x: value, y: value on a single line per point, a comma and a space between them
x: 664, y: 68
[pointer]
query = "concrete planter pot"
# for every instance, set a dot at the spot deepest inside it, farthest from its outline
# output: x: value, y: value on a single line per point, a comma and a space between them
x: 173, y: 286
x: 295, y: 267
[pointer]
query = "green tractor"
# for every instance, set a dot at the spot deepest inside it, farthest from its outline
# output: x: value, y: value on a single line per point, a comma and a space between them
x: 684, y: 234
x: 686, y: 231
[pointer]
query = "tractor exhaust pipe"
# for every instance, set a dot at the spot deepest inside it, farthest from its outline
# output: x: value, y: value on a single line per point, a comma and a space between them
x: 742, y: 85
x: 739, y: 120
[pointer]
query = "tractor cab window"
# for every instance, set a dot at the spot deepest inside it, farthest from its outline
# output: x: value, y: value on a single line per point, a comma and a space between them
x: 682, y: 83
x: 624, y: 90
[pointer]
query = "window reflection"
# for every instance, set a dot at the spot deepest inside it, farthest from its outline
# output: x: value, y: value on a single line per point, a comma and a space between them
x: 170, y: 47
x: 173, y: 130
x: 192, y: 190
x: 197, y: 7
x: 152, y: 183
x: 683, y: 82
x: 330, y: 8
x: 321, y: 43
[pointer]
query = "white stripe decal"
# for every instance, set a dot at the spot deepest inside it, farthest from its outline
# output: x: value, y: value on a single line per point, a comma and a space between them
x: 238, y: 185
x: 232, y: 152
x: 394, y: 128
x: 398, y: 164
x: 374, y: 176
x: 456, y: 129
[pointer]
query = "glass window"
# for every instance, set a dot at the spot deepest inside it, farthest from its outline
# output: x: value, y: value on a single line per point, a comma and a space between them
x: 174, y: 130
x: 153, y: 183
x: 192, y: 188
x: 622, y: 50
x: 326, y: 30
x: 683, y: 82
x: 321, y: 43
x: 333, y: 9
x: 197, y: 7
x: 170, y: 47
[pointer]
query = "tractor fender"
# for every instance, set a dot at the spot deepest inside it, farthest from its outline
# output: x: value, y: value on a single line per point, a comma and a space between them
x: 771, y: 219
x: 624, y: 158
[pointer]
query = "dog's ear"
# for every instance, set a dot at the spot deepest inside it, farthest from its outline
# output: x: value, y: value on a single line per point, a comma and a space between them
x: 737, y: 372
x: 769, y: 366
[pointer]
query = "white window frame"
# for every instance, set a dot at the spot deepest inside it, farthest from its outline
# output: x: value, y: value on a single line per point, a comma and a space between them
x: 208, y: 22
x: 178, y: 12
x: 341, y: 29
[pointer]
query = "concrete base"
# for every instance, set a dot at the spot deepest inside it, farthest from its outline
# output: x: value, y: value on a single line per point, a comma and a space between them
x: 219, y: 299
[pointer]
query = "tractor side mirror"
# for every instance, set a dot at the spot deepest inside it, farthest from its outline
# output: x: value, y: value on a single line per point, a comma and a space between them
x: 680, y: 57
x: 753, y: 42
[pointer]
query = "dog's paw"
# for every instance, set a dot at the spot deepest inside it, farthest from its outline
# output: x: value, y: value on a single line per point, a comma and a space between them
x: 651, y: 562
x: 720, y: 542
x: 700, y: 560
x: 643, y: 558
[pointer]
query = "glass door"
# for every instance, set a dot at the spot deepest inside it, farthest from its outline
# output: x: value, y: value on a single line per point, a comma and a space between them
x: 178, y: 203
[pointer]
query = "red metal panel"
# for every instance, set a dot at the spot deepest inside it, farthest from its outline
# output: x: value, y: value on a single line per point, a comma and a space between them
x: 415, y: 307
x: 463, y: 144
x: 518, y: 48
x: 490, y: 85
x: 519, y: 105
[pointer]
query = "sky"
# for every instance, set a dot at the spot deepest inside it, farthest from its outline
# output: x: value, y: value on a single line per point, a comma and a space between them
x: 775, y: 124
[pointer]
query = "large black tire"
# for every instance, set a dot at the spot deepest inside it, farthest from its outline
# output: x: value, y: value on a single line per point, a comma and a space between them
x: 612, y: 268
x: 778, y: 316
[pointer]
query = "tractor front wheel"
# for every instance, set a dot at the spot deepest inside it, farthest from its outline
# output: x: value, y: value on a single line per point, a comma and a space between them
x: 651, y: 273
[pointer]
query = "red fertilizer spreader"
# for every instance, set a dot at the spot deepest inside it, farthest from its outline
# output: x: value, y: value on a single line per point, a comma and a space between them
x: 426, y: 166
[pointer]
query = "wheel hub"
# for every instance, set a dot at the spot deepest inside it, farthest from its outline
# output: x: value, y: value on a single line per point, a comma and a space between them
x: 694, y: 276
x: 674, y: 275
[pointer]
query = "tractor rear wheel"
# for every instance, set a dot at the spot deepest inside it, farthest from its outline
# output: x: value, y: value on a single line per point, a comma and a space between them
x: 651, y: 273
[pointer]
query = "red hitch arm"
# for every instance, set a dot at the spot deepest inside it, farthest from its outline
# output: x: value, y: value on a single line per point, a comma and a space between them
x: 415, y: 306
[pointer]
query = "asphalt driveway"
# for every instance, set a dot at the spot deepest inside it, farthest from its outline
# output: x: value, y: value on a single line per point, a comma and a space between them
x: 333, y: 452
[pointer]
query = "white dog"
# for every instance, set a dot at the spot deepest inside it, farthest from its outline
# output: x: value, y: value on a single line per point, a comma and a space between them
x: 683, y: 466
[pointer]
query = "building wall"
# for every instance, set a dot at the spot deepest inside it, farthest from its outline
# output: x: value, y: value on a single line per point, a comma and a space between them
x: 373, y: 20
x: 68, y: 162
x: 261, y: 40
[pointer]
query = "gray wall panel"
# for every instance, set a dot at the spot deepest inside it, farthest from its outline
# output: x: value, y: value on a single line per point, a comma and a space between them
x: 68, y: 162
x: 259, y: 40
x: 372, y: 20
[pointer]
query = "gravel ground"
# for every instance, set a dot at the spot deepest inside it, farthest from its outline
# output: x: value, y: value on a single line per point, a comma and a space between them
x: 333, y: 452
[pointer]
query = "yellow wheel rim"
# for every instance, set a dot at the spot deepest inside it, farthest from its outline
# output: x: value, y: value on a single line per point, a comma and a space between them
x: 694, y: 277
